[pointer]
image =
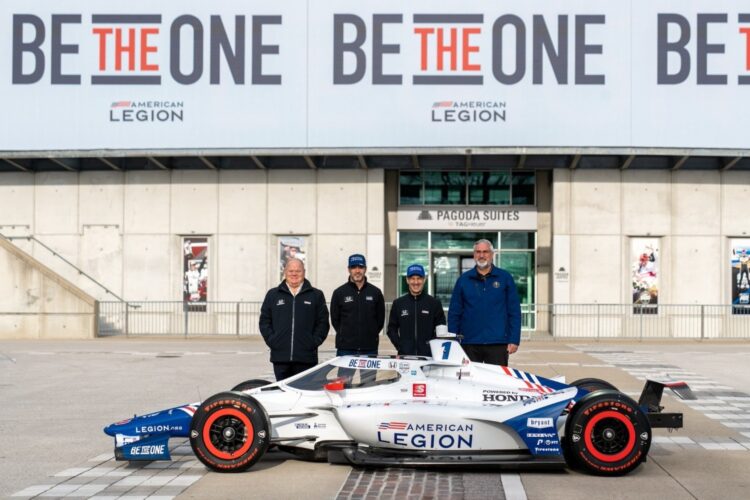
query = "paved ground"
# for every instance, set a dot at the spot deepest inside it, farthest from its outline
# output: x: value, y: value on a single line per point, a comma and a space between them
x: 55, y: 397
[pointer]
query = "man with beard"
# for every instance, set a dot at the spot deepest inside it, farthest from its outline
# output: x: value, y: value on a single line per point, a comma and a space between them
x: 357, y: 312
x: 485, y: 309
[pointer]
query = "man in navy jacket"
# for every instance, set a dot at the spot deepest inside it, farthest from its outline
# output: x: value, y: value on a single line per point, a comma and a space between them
x: 485, y: 309
x: 293, y: 322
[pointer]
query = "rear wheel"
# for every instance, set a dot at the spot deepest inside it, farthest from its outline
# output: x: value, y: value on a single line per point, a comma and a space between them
x: 607, y: 434
x: 593, y: 384
x: 253, y: 383
x: 229, y: 432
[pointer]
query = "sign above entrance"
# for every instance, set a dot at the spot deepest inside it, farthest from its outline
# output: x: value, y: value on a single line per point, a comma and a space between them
x: 492, y: 218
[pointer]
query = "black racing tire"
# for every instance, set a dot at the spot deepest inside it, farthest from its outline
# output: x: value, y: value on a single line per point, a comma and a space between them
x: 253, y: 383
x: 230, y: 432
x: 607, y: 434
x: 593, y: 384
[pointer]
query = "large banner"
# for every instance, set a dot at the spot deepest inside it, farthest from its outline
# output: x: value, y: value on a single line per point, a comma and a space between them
x: 199, y: 75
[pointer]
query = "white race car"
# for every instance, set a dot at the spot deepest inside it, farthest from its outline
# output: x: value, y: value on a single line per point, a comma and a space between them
x: 412, y: 411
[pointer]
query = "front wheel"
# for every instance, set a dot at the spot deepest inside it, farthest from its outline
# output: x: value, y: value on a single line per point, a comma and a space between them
x: 229, y: 432
x: 607, y: 434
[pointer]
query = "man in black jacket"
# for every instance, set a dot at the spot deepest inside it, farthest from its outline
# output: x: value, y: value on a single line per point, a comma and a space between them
x: 357, y: 312
x: 293, y: 322
x: 414, y: 316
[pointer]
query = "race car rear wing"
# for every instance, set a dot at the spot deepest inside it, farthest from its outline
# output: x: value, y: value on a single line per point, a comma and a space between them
x: 651, y: 398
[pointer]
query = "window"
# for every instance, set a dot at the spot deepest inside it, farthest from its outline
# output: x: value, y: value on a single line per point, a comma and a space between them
x: 497, y: 187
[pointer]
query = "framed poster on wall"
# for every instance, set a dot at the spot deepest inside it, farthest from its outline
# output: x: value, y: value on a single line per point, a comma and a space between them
x: 291, y: 247
x: 195, y: 273
x: 644, y: 265
x: 740, y: 279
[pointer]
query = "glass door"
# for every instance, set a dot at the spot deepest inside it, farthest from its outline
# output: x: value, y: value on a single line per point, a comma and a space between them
x: 446, y: 269
x: 521, y: 266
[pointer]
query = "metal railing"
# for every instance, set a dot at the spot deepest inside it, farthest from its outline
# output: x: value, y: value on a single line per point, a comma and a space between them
x: 553, y: 321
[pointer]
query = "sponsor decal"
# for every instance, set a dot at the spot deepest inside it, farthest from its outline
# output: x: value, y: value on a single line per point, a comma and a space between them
x: 428, y: 435
x: 370, y: 298
x: 146, y: 111
x: 148, y: 429
x: 424, y: 311
x: 319, y: 426
x: 419, y: 390
x: 503, y: 397
x: 123, y: 422
x: 365, y: 363
x: 392, y: 365
x: 262, y: 434
x: 539, y: 423
x: 468, y: 112
x: 535, y: 399
x: 414, y: 372
x: 496, y: 284
x: 280, y: 302
x: 307, y: 302
x: 348, y: 299
x: 154, y: 449
x: 404, y: 312
x: 403, y: 367
x: 542, y: 435
x: 462, y: 373
x: 302, y: 426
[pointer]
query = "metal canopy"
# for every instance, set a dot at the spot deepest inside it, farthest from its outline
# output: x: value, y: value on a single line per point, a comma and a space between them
x: 390, y: 159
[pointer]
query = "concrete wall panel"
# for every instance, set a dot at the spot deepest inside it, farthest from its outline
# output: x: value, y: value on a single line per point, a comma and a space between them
x: 56, y: 203
x: 342, y: 202
x: 334, y: 251
x: 242, y: 201
x: 375, y: 201
x: 735, y: 198
x: 147, y: 260
x: 696, y: 207
x: 695, y: 270
x: 646, y: 202
x: 194, y: 202
x: 100, y: 198
x: 595, y: 202
x: 561, y: 193
x: 292, y: 202
x: 101, y: 257
x: 147, y: 201
x: 241, y: 264
x: 596, y: 269
x: 16, y: 203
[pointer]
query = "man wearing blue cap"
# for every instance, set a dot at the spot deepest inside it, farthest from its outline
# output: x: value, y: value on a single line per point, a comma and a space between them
x: 357, y: 312
x: 414, y: 316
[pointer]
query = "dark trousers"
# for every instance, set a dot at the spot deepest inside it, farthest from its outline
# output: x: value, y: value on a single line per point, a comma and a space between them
x: 286, y: 370
x: 493, y: 354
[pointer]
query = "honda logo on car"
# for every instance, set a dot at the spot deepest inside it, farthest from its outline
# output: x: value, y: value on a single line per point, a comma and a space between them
x: 539, y: 423
x: 365, y: 363
x: 430, y: 436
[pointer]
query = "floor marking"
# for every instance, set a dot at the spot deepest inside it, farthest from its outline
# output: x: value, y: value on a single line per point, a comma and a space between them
x: 513, y: 486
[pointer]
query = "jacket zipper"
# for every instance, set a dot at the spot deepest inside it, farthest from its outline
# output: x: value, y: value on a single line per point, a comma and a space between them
x: 416, y: 345
x: 291, y: 346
